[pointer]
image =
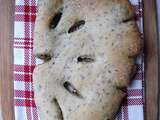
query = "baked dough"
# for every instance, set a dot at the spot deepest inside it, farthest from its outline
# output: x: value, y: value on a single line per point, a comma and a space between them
x: 89, y: 49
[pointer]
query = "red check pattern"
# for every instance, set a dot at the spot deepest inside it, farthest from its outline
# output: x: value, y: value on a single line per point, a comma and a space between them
x: 25, y: 61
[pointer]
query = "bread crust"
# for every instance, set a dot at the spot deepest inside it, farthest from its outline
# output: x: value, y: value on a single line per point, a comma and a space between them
x: 97, y: 58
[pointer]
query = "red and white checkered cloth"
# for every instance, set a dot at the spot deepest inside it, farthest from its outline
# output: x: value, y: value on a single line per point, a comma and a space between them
x: 24, y: 63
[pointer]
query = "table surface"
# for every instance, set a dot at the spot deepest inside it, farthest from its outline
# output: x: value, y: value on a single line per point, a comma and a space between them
x: 152, y: 65
x: 158, y: 8
x: 151, y: 49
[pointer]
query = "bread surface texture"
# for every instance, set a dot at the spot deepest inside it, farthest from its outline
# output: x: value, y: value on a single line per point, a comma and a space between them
x: 89, y: 49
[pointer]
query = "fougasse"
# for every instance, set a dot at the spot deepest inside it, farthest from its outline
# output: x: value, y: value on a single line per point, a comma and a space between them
x: 89, y: 49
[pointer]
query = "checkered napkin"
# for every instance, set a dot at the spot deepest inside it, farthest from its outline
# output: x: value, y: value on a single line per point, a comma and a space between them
x: 24, y: 63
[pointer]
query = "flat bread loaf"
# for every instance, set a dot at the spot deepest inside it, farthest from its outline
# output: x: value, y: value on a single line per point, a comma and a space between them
x: 89, y: 49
